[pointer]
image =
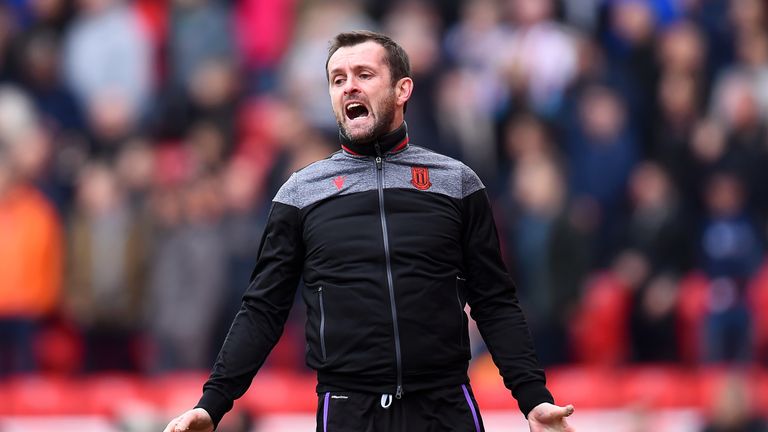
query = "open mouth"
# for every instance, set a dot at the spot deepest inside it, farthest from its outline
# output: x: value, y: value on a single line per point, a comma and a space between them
x: 355, y: 110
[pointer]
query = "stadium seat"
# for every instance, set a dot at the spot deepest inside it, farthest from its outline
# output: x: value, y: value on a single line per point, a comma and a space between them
x: 599, y: 329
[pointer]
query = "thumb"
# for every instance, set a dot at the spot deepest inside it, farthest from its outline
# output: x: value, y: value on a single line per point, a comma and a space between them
x: 560, y: 412
x: 551, y: 413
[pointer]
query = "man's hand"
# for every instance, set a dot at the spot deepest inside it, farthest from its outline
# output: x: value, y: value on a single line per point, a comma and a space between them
x: 546, y: 417
x: 195, y: 420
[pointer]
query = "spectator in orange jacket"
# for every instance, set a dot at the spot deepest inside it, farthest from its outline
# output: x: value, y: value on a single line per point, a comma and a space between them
x: 30, y: 252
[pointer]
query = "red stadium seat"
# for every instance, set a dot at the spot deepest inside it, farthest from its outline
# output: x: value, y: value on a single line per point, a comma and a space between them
x: 600, y: 327
x: 757, y: 298
x: 691, y: 309
x: 109, y: 394
x: 659, y: 387
x: 45, y: 395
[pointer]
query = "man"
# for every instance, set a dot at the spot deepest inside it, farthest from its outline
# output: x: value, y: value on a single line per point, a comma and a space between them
x: 392, y: 240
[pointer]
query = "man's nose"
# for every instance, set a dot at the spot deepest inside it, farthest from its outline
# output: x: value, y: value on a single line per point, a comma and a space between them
x: 351, y: 86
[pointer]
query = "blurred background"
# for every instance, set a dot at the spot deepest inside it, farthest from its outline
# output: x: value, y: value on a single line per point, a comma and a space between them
x: 623, y: 144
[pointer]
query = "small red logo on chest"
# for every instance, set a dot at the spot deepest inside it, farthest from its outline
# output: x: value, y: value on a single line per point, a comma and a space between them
x: 420, y: 178
x: 339, y: 181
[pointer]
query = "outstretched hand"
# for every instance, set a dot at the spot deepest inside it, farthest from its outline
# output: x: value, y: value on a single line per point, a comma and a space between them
x: 546, y: 417
x: 195, y: 420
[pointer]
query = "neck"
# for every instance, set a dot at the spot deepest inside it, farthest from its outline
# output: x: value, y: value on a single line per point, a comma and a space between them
x: 389, y: 142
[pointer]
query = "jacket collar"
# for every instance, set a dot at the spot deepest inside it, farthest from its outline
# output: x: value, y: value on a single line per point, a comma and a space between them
x: 391, y: 142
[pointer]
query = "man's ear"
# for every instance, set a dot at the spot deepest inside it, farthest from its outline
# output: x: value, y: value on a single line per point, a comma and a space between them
x: 403, y: 90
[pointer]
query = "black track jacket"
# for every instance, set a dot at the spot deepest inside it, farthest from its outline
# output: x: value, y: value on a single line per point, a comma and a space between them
x: 392, y: 241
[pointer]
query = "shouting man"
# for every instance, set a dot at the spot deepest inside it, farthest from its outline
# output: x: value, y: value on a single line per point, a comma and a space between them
x: 392, y: 241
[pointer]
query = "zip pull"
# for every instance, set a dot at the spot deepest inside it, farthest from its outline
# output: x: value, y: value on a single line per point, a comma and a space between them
x: 399, y: 393
x: 378, y: 162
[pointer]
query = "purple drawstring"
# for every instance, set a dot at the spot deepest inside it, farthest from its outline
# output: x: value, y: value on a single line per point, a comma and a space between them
x: 471, y: 407
x: 325, y: 411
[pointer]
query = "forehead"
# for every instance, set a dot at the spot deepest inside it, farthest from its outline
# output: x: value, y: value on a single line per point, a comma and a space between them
x: 368, y: 53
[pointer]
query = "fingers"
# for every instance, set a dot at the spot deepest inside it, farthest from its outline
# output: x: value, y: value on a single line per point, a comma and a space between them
x: 195, y: 420
x: 179, y: 424
x: 172, y: 425
x: 569, y: 409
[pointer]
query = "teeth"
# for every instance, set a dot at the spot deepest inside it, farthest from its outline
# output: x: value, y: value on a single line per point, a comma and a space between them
x: 354, y: 105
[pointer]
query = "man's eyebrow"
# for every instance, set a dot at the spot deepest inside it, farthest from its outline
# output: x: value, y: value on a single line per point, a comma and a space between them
x: 359, y: 66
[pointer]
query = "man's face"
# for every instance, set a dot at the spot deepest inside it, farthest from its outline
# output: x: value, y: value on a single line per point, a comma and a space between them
x: 362, y: 91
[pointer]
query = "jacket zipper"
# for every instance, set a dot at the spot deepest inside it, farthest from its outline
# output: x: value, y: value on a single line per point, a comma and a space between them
x: 322, y: 323
x: 390, y: 283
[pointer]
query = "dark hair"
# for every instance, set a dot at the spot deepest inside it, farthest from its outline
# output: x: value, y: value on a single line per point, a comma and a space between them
x: 397, y: 59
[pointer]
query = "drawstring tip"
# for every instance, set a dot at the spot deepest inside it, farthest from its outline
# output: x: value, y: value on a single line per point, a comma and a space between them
x: 386, y: 400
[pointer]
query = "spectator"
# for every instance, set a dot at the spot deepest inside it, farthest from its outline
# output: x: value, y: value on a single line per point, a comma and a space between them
x: 30, y: 250
x: 188, y: 272
x: 705, y: 154
x: 730, y: 252
x: 730, y: 244
x: 199, y: 33
x: 134, y: 168
x: 473, y: 44
x: 106, y: 271
x: 536, y: 226
x: 736, y: 105
x: 539, y: 79
x: 630, y: 47
x: 40, y: 65
x: 473, y: 94
x: 601, y: 152
x: 107, y: 63
x: 655, y: 226
x: 653, y: 323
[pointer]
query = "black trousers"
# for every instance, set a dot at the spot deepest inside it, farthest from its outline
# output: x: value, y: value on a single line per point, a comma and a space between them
x: 446, y: 409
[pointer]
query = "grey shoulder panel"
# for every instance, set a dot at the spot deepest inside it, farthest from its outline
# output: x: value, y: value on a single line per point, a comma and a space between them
x: 471, y: 182
x: 420, y: 168
x: 286, y: 193
x: 333, y: 176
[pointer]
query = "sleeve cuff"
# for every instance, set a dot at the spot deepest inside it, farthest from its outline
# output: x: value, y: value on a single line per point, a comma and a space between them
x: 216, y: 405
x: 530, y: 394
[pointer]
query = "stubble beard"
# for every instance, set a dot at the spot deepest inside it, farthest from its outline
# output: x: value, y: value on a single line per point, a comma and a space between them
x: 380, y: 127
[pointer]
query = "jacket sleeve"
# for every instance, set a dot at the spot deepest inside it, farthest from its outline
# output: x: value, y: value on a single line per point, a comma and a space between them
x: 491, y: 295
x: 260, y: 321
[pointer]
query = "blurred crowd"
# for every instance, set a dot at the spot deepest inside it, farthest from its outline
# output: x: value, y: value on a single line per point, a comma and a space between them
x: 623, y: 144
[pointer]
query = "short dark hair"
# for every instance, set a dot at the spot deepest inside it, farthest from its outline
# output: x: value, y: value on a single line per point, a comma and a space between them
x: 397, y: 58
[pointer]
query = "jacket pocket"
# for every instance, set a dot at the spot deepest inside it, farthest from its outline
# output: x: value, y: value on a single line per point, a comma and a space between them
x: 460, y: 281
x: 322, y: 323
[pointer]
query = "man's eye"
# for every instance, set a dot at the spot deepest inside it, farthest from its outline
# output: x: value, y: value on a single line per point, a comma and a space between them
x: 338, y: 81
x: 365, y: 75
